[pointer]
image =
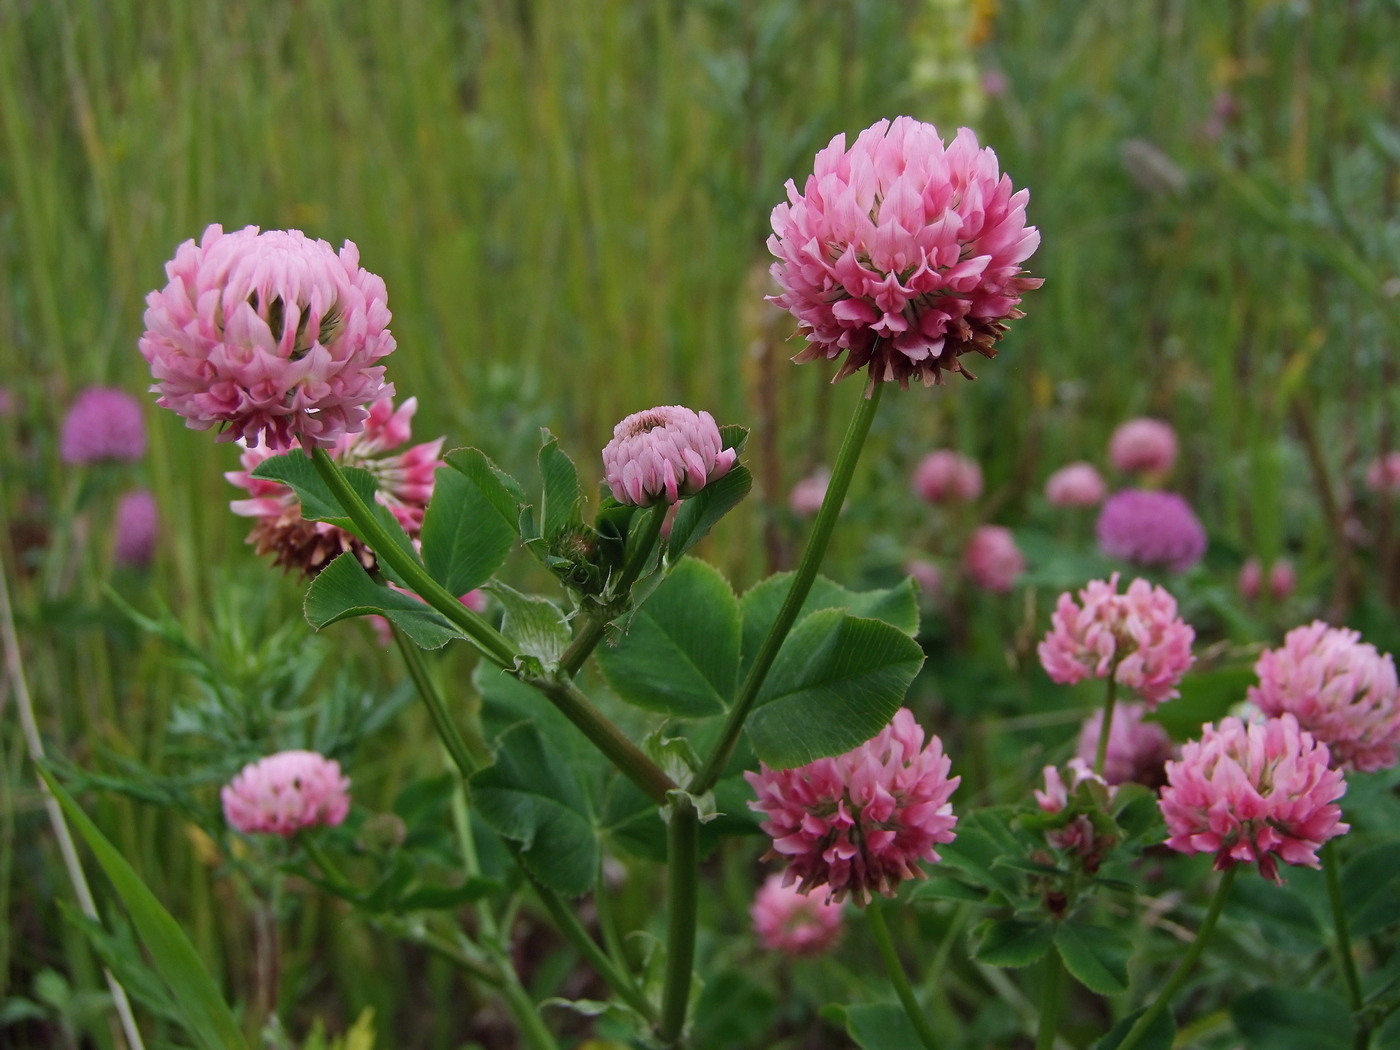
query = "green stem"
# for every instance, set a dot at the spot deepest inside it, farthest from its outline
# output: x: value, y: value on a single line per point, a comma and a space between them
x: 1107, y: 726
x: 1347, y: 961
x: 895, y: 968
x: 682, y: 885
x: 1050, y: 996
x: 587, y: 639
x: 327, y: 866
x: 812, y: 556
x: 1183, y: 970
x: 467, y: 762
x: 439, y: 945
x: 527, y: 1014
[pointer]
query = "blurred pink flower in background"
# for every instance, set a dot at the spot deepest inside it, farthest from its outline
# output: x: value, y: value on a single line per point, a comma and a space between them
x: 1076, y: 485
x: 1251, y: 578
x: 902, y: 253
x: 806, y: 496
x: 790, y: 921
x: 1282, y: 579
x: 1147, y: 445
x: 1383, y: 473
x: 137, y: 528
x: 1253, y: 794
x: 992, y: 558
x: 666, y: 452
x: 994, y: 83
x: 861, y: 822
x: 1151, y: 528
x: 945, y: 476
x: 8, y: 402
x: 1139, y: 630
x: 1340, y: 689
x: 103, y: 423
x: 1137, y: 749
x: 286, y: 792
x: 927, y: 575
x: 405, y: 487
x: 270, y: 337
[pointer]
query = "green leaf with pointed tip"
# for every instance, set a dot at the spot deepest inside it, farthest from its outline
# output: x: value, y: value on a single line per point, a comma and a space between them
x: 205, y: 1014
x: 1096, y: 955
x: 734, y: 436
x: 1293, y: 1019
x: 318, y: 503
x: 680, y: 655
x: 881, y: 1026
x: 1014, y: 942
x: 536, y: 625
x: 699, y: 513
x: 1161, y: 1036
x: 531, y: 796
x: 464, y: 538
x: 503, y: 492
x: 343, y: 589
x: 560, y: 506
x: 837, y: 681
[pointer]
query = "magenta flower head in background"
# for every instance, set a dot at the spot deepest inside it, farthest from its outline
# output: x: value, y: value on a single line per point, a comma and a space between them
x: 992, y: 558
x: 1076, y: 485
x: 806, y: 496
x: 103, y: 423
x: 1152, y: 529
x: 1339, y: 688
x: 271, y: 337
x: 1253, y: 794
x: 664, y: 453
x: 792, y: 922
x: 137, y: 528
x: 286, y: 792
x: 927, y: 575
x: 945, y: 476
x: 1383, y: 474
x: 902, y: 253
x: 405, y: 487
x: 861, y: 822
x: 1136, y: 636
x: 1143, y: 445
x: 1137, y: 749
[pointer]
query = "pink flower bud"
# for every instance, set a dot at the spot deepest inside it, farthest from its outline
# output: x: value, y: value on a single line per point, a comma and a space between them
x: 667, y: 452
x: 1282, y: 579
x: 1251, y: 579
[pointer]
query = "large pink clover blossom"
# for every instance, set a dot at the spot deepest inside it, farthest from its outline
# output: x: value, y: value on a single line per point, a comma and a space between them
x: 792, y: 922
x: 103, y: 423
x: 1144, y: 444
x: 1339, y: 688
x: 861, y: 822
x: 902, y: 253
x: 992, y: 558
x: 1137, y: 636
x: 286, y: 792
x: 405, y: 482
x: 1076, y: 485
x: 945, y: 476
x: 1151, y: 528
x: 1137, y: 749
x: 272, y: 337
x: 664, y: 453
x: 1256, y: 793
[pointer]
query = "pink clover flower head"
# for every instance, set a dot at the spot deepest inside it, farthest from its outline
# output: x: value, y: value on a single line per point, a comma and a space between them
x: 1383, y: 474
x: 945, y: 476
x: 806, y: 496
x: 792, y: 922
x: 668, y: 452
x: 1076, y: 485
x: 103, y: 423
x: 286, y: 792
x: 405, y: 481
x: 1147, y: 445
x: 902, y: 252
x: 992, y: 558
x: 1138, y: 630
x: 1151, y: 528
x: 1137, y: 749
x: 861, y: 822
x: 1078, y: 836
x: 1256, y: 793
x: 1339, y: 688
x: 137, y: 528
x: 271, y: 337
x: 927, y: 575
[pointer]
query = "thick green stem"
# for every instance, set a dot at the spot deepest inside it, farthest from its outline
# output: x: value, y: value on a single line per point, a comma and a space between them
x: 812, y: 556
x: 898, y: 977
x: 682, y: 884
x: 579, y: 650
x: 1183, y: 970
x: 452, y: 739
x: 1346, y: 961
x: 1051, y: 993
x: 527, y: 1014
x: 1106, y: 727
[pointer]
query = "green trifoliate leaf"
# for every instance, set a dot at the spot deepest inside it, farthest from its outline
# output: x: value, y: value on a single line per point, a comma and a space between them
x: 343, y: 589
x: 1096, y: 955
x: 1014, y: 942
x: 536, y: 626
x: 464, y: 539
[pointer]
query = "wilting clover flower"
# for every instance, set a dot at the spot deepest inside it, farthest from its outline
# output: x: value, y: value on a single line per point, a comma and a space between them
x: 137, y: 528
x: 666, y: 452
x: 1383, y: 474
x: 790, y: 921
x: 1259, y: 793
x: 902, y: 253
x: 1339, y: 688
x: 405, y: 487
x: 806, y: 496
x: 286, y: 792
x: 1137, y: 749
x: 1151, y: 528
x: 1076, y: 485
x: 992, y: 558
x: 1137, y: 636
x: 102, y: 423
x: 1147, y: 445
x: 861, y: 822
x: 945, y: 476
x: 1077, y: 836
x: 271, y: 337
